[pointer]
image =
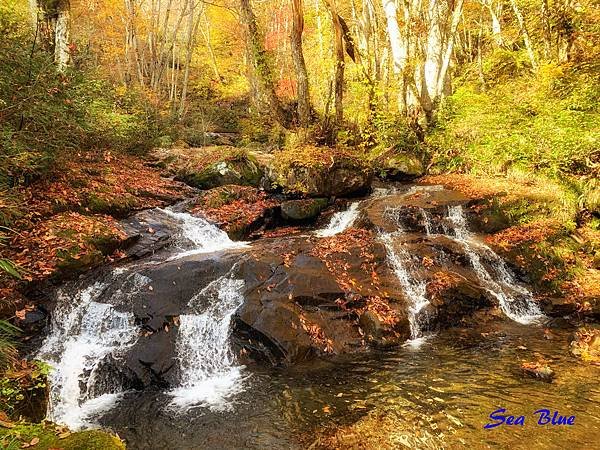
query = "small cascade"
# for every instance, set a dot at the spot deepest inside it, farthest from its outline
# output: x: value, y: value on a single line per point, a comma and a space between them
x: 208, y: 370
x: 514, y: 299
x: 414, y: 288
x: 200, y: 236
x: 84, y: 332
x: 340, y: 221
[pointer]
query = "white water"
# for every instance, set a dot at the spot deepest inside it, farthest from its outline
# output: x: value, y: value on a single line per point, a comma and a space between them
x: 414, y: 289
x: 83, y: 333
x: 209, y: 372
x: 340, y: 221
x: 200, y: 236
x: 514, y: 299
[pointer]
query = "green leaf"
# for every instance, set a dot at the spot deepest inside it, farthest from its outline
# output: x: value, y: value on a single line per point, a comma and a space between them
x: 9, y: 267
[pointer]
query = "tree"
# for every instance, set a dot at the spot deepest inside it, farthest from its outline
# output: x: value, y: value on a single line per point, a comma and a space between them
x: 53, y: 25
x: 260, y: 63
x: 299, y: 63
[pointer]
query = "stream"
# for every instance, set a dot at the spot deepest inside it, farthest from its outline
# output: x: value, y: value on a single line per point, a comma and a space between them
x: 147, y: 348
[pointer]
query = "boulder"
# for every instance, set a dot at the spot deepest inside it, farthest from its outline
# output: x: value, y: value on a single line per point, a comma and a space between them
x: 209, y: 167
x: 319, y: 172
x: 302, y: 209
x: 242, y: 171
x: 399, y: 166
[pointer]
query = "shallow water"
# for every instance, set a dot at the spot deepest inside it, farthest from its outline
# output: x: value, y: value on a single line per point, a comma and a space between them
x: 436, y: 396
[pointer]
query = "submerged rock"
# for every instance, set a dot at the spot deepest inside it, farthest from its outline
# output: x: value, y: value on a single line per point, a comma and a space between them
x: 538, y: 370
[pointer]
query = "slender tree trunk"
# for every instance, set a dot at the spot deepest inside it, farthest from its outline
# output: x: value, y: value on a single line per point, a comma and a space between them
x: 260, y: 62
x: 206, y: 35
x: 443, y: 74
x: 525, y: 33
x: 338, y: 46
x: 299, y: 63
x: 192, y: 30
x: 546, y: 27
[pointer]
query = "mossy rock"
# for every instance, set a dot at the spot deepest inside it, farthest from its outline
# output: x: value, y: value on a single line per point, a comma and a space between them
x: 117, y: 207
x: 320, y: 172
x: 49, y: 436
x: 303, y: 209
x: 398, y: 166
x: 244, y: 170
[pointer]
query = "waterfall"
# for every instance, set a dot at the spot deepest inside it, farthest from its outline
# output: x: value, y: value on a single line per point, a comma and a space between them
x: 197, y: 235
x: 514, y: 299
x: 209, y: 373
x: 84, y: 332
x: 340, y: 221
x: 87, y: 328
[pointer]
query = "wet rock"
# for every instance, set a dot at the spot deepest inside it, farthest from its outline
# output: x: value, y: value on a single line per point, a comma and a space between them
x: 302, y: 209
x: 399, y: 166
x: 455, y: 296
x: 586, y: 344
x: 319, y: 172
x: 559, y: 307
x: 296, y: 308
x: 147, y: 232
x: 372, y: 326
x: 538, y: 370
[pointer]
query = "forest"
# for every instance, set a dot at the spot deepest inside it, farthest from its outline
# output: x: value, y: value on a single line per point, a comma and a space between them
x: 298, y: 224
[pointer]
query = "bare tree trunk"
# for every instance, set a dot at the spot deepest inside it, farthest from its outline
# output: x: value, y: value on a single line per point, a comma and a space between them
x: 525, y: 33
x: 62, y: 53
x: 399, y: 46
x: 206, y: 35
x: 260, y: 62
x: 53, y: 22
x: 299, y: 63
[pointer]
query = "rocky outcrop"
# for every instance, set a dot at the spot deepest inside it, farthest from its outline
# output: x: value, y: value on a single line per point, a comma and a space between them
x: 319, y: 172
x: 396, y: 165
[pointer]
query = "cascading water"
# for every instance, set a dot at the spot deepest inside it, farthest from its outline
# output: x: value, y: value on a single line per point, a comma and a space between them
x: 200, y: 236
x: 89, y: 327
x: 209, y: 373
x: 340, y: 221
x: 414, y: 289
x: 514, y: 299
x: 84, y: 332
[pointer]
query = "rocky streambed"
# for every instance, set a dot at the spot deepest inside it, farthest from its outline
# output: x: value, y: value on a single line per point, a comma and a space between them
x: 199, y: 341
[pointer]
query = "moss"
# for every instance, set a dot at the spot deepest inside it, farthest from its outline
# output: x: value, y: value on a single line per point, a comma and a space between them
x: 114, y: 206
x: 51, y: 436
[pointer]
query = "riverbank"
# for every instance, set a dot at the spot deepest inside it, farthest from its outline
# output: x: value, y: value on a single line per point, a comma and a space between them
x: 76, y: 228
